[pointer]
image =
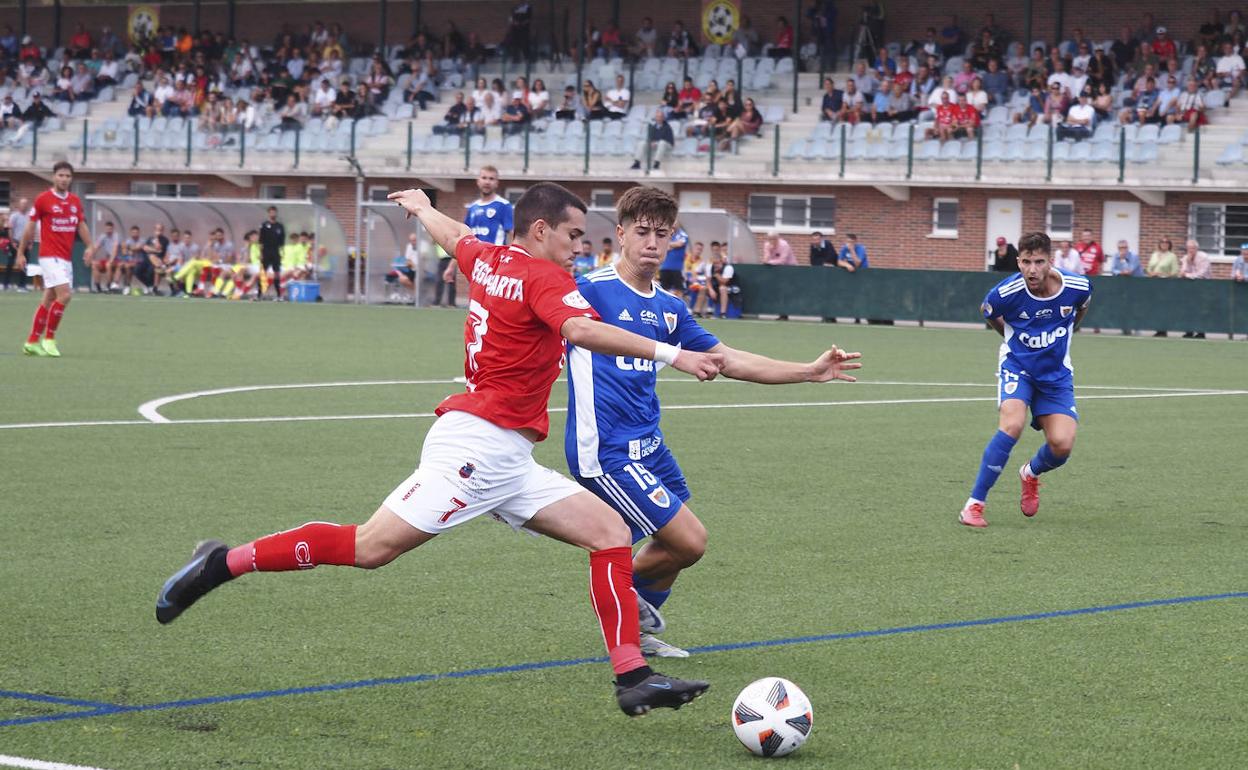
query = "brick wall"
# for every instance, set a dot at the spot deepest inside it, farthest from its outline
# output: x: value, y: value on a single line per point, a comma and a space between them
x: 906, y: 19
x: 897, y: 234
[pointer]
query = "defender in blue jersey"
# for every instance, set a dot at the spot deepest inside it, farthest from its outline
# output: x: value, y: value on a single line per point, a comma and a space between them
x: 1036, y: 311
x: 490, y: 216
x: 613, y: 442
x: 672, y: 269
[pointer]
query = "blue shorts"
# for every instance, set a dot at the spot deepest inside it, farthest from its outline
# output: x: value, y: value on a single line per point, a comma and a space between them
x: 646, y: 493
x: 1043, y: 397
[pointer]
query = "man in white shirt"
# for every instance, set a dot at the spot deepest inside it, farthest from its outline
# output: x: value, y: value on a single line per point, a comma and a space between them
x: 1230, y: 68
x: 945, y: 87
x: 618, y: 99
x: 109, y: 73
x: 1061, y: 77
x: 1066, y: 258
x: 1168, y: 99
x: 1078, y: 122
x: 323, y: 98
x: 162, y: 93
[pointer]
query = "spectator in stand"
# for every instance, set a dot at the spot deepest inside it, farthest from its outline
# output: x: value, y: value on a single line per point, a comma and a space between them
x: 454, y: 114
x: 900, y: 105
x: 610, y: 43
x: 962, y: 80
x: 657, y: 143
x: 865, y: 79
x: 996, y: 82
x: 1230, y: 69
x: 516, y: 43
x: 822, y: 252
x: 1145, y: 58
x: 1195, y: 265
x: 966, y: 119
x: 293, y: 114
x: 833, y: 101
x: 669, y: 102
x: 104, y: 261
x: 952, y: 40
x: 1204, y: 69
x: 1083, y: 55
x: 323, y: 99
x: 539, y: 100
x: 591, y: 98
x: 109, y: 71
x: 1091, y: 256
x: 379, y: 83
x: 1125, y: 262
x: 1239, y: 268
x: 680, y: 43
x: 83, y: 83
x: 1004, y: 257
x: 852, y: 103
x: 1123, y: 49
x: 689, y: 98
x: 749, y: 124
x: 1066, y: 258
x: 618, y: 99
x: 420, y: 88
x: 783, y: 47
x: 881, y: 103
x: 10, y: 117
x: 36, y: 112
x: 977, y: 97
x: 1100, y: 69
x: 1062, y: 78
x: 1163, y: 263
x: 63, y: 91
x: 516, y: 117
x: 903, y: 75
x: 607, y: 256
x: 1191, y: 107
x: 984, y: 50
x: 708, y: 117
x: 1079, y: 121
x: 8, y: 50
x: 1168, y: 101
x: 1103, y: 102
x: 491, y: 109
x: 938, y: 94
x: 777, y: 251
x: 80, y: 43
x: 1146, y: 105
x: 1163, y: 46
x: 853, y: 255
x: 645, y: 39
x: 570, y: 106
x: 746, y: 39
x: 732, y: 99
x: 29, y: 51
x: 925, y: 82
x: 946, y: 120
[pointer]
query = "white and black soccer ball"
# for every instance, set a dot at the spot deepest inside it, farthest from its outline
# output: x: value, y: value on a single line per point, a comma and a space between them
x: 772, y: 717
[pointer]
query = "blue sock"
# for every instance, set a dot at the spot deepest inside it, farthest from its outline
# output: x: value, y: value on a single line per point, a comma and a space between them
x: 996, y: 455
x: 644, y: 589
x: 1045, y: 460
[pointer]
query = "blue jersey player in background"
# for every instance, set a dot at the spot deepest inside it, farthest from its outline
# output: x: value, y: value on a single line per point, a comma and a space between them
x: 490, y: 216
x: 1036, y: 311
x: 612, y: 440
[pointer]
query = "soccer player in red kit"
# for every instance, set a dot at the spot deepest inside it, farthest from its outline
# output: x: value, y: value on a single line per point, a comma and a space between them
x: 58, y: 212
x: 477, y: 456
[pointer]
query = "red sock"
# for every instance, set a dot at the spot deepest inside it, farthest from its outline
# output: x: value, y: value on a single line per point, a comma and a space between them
x: 611, y: 589
x: 54, y: 319
x: 305, y: 547
x: 40, y: 323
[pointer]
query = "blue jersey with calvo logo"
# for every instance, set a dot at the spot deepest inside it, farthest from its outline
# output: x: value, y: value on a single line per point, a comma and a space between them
x: 613, y: 410
x: 1038, y: 330
x: 490, y: 220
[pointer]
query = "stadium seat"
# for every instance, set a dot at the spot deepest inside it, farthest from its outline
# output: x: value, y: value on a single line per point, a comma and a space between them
x: 1016, y: 133
x: 856, y: 150
x: 994, y: 150
x: 514, y: 145
x: 823, y: 130
x: 1142, y: 152
x: 1231, y: 155
x: 1081, y: 152
x: 1148, y: 133
x: 1215, y: 99
x: 832, y: 150
x: 1105, y: 132
x: 1035, y: 151
x: 493, y: 145
x: 1170, y: 134
x: 929, y: 150
x: 877, y: 150
x: 898, y: 149
x: 773, y: 113
x: 1061, y: 151
x: 797, y: 149
x: 859, y: 132
x: 951, y: 150
x: 970, y: 151
x: 176, y: 123
x: 613, y: 128
x: 1104, y: 152
x: 997, y: 115
x: 994, y: 132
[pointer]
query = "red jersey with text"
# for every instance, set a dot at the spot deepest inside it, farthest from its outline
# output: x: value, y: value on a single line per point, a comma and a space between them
x: 58, y: 219
x: 514, y: 348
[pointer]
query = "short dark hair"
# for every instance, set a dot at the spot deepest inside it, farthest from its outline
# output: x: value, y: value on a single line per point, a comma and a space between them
x: 548, y: 202
x: 1036, y: 243
x: 62, y: 164
x: 851, y: 236
x: 649, y: 203
x: 108, y: 224
x: 271, y: 208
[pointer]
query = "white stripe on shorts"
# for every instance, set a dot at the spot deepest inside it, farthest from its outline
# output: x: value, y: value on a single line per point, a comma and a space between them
x: 647, y: 527
x: 624, y: 506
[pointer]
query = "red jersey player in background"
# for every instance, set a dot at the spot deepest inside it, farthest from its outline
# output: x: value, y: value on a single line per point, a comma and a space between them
x: 477, y: 457
x: 58, y: 212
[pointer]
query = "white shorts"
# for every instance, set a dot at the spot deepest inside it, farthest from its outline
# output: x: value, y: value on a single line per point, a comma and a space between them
x: 56, y: 272
x: 470, y: 466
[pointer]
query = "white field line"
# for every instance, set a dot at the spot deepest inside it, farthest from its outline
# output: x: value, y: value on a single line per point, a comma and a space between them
x: 150, y: 410
x: 37, y: 764
x: 670, y: 408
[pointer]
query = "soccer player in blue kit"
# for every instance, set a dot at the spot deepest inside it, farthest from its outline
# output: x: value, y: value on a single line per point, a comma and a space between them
x: 672, y: 270
x: 612, y: 440
x: 490, y: 216
x: 1036, y: 311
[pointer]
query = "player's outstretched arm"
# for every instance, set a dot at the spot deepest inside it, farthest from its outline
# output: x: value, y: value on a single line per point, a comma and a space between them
x: 613, y: 341
x: 445, y: 231
x: 751, y: 367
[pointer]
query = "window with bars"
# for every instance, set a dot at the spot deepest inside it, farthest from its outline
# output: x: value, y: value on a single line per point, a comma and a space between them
x: 272, y: 192
x: 602, y: 199
x: 165, y: 189
x: 792, y: 212
x: 945, y: 216
x: 1059, y: 220
x: 1218, y: 228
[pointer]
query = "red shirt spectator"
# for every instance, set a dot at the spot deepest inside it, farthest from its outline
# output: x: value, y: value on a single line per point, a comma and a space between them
x: 29, y: 51
x: 946, y: 114
x: 690, y: 95
x: 1090, y: 254
x: 81, y: 41
x: 964, y: 115
x: 1163, y: 46
x: 784, y: 38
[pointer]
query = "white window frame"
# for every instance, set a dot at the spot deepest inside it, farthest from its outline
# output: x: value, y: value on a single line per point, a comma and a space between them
x: 147, y: 188
x: 593, y: 197
x: 1059, y: 235
x: 779, y: 225
x: 937, y: 230
x: 307, y: 191
x: 267, y: 190
x: 374, y: 190
x: 1215, y: 255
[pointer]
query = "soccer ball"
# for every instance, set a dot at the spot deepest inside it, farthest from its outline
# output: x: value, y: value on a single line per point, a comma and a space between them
x: 772, y: 717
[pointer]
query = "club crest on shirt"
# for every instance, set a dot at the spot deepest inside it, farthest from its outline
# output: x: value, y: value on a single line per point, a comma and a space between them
x: 574, y: 299
x: 1066, y: 310
x: 467, y: 470
x: 660, y: 497
x: 489, y: 213
x: 670, y: 320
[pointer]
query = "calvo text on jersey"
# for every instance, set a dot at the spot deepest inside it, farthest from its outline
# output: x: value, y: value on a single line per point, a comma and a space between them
x: 1043, y: 339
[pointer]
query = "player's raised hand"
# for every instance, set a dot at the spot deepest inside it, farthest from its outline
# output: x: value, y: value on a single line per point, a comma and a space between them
x: 833, y: 364
x: 704, y: 366
x: 412, y: 200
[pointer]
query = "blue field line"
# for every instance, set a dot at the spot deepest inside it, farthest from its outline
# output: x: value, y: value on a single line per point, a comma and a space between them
x: 104, y: 709
x: 41, y: 698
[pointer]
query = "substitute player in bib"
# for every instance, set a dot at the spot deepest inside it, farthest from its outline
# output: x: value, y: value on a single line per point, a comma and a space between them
x: 1036, y: 311
x: 613, y: 443
x: 58, y: 213
x: 478, y: 456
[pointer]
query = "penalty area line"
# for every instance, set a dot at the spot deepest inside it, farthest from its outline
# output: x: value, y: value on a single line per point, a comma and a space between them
x: 39, y: 764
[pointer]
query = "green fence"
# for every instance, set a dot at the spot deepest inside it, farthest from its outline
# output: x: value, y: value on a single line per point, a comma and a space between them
x: 949, y: 296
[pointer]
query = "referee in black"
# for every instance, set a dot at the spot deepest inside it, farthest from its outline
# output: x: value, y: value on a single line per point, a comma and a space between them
x: 272, y: 239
